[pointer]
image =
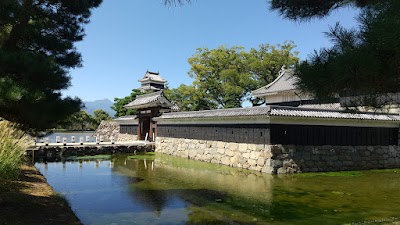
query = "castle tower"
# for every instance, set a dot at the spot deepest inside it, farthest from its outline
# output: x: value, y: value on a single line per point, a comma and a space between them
x: 152, y: 82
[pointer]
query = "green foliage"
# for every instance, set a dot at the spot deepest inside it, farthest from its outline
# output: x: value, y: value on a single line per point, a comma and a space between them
x: 361, y: 62
x: 189, y: 98
x: 305, y: 10
x: 119, y: 104
x: 13, y: 144
x: 79, y: 121
x: 224, y: 77
x: 100, y: 115
x: 36, y: 51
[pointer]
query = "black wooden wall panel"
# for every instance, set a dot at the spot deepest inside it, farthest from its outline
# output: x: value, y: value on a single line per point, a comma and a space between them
x: 283, y: 134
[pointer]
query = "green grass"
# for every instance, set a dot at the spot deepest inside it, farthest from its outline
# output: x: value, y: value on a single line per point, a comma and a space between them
x: 396, y: 170
x: 332, y: 174
x: 13, y: 143
x: 148, y: 155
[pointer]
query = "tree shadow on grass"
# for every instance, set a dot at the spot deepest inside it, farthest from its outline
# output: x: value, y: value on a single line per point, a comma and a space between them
x: 29, y: 200
x: 20, y: 208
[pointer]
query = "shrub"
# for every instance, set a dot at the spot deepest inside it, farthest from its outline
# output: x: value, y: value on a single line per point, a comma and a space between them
x: 13, y: 143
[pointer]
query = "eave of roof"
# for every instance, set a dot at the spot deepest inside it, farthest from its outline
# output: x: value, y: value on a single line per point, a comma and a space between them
x: 283, y: 111
x: 284, y: 82
x: 152, y: 76
x: 149, y: 100
x: 127, y: 120
x: 280, y: 111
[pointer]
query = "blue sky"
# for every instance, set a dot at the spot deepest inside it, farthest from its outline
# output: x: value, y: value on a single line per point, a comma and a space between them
x: 127, y: 37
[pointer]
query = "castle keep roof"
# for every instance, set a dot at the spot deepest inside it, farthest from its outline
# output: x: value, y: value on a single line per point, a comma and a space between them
x: 150, y: 100
x: 152, y: 76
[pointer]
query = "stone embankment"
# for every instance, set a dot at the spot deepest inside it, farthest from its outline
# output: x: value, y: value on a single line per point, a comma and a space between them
x: 58, y: 152
x: 282, y: 159
x: 109, y: 129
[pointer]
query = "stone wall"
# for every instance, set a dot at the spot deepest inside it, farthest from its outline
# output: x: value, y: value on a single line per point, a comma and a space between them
x: 334, y: 158
x: 282, y: 159
x: 109, y: 129
x: 127, y: 137
x: 248, y: 156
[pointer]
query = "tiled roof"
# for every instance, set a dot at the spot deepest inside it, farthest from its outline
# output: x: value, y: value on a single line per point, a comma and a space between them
x: 280, y: 111
x: 152, y: 76
x: 123, y: 118
x: 284, y: 82
x: 328, y: 106
x: 149, y: 100
x: 333, y: 114
x: 147, y: 88
x: 126, y: 120
x: 218, y: 113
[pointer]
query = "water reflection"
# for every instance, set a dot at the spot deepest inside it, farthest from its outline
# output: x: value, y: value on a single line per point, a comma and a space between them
x: 167, y: 190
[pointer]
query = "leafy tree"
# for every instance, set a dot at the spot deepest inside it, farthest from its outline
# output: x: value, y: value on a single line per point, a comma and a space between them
x: 189, y: 98
x: 119, y: 104
x: 100, y: 115
x: 227, y: 75
x: 78, y: 121
x: 36, y: 51
x: 362, y: 62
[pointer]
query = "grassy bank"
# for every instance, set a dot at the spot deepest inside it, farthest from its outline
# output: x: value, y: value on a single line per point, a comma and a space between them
x: 13, y: 143
x: 25, y: 196
x: 30, y: 200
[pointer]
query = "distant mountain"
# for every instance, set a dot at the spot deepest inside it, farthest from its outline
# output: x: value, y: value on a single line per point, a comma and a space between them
x: 104, y: 104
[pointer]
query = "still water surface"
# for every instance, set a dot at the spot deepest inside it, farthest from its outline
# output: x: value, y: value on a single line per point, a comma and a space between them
x: 168, y: 190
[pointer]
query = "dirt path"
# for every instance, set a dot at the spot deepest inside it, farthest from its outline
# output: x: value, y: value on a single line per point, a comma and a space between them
x: 30, y: 200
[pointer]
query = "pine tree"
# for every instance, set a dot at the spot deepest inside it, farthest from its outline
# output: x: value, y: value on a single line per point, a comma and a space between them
x: 36, y: 52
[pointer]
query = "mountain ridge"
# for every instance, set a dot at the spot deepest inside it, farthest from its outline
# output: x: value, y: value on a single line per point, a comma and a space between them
x: 104, y: 104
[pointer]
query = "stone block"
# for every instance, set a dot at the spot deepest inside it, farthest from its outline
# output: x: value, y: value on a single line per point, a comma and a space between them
x: 391, y: 161
x: 225, y: 160
x: 260, y: 147
x: 233, y: 146
x: 254, y: 155
x: 252, y: 147
x: 287, y: 163
x: 260, y: 161
x: 220, y: 144
x: 215, y: 161
x: 242, y: 147
x: 266, y: 155
x: 252, y: 162
x: 221, y: 150
x: 246, y: 155
x: 229, y: 153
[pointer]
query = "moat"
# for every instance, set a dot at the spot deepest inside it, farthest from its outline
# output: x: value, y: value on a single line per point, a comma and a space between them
x: 159, y: 189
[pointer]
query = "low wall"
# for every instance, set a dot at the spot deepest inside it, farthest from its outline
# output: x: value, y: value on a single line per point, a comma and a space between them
x: 109, y: 129
x: 51, y: 153
x: 282, y: 158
